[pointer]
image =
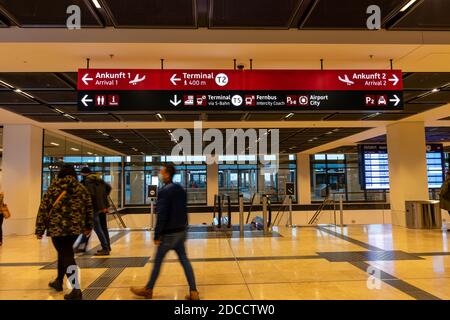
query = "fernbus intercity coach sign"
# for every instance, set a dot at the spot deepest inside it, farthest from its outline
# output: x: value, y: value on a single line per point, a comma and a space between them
x: 257, y: 90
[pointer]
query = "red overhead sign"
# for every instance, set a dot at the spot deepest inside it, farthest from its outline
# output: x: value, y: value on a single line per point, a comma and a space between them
x: 230, y: 80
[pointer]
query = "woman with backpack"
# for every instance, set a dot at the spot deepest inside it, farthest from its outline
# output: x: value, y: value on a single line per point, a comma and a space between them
x: 65, y: 213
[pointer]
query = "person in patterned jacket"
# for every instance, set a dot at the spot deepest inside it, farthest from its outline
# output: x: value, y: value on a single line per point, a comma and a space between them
x: 65, y: 212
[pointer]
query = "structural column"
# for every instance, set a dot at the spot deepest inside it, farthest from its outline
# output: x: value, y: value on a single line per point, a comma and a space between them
x: 22, y: 175
x: 303, y: 178
x: 212, y: 182
x: 407, y: 167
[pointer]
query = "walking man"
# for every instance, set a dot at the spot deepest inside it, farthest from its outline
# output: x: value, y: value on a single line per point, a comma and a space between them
x: 99, y: 191
x: 170, y: 232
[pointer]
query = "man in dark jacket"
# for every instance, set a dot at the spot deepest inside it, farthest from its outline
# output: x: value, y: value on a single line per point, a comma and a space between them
x: 170, y: 232
x: 99, y: 191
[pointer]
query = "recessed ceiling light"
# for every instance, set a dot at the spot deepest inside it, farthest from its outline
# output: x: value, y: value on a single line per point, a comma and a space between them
x: 69, y: 116
x: 24, y: 93
x: 435, y: 90
x: 288, y: 116
x: 6, y: 84
x: 408, y: 5
x: 159, y: 116
x: 96, y: 4
x: 74, y: 149
x: 54, y: 144
x: 105, y: 134
x: 89, y: 153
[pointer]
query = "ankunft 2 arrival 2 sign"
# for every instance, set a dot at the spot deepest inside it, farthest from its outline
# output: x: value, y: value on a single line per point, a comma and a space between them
x: 235, y: 90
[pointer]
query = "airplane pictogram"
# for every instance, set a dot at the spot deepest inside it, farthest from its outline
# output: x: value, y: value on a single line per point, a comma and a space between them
x: 346, y: 80
x: 136, y: 79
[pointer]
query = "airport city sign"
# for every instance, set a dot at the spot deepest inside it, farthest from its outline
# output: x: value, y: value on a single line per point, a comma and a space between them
x: 229, y: 90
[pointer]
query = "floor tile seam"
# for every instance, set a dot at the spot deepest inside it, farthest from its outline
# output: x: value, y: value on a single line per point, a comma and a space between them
x: 240, y: 270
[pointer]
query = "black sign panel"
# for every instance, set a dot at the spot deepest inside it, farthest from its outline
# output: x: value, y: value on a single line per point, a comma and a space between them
x: 152, y: 191
x: 290, y: 189
x: 239, y: 100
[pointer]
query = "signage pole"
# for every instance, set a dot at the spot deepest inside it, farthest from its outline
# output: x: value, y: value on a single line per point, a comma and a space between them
x: 241, y: 215
x: 152, y: 214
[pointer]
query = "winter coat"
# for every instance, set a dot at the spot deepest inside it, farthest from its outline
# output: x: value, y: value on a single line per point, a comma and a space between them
x: 72, y: 215
x: 99, y: 191
x: 444, y: 195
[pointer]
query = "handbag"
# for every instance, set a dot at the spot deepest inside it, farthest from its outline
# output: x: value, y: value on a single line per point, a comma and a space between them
x: 5, y: 212
x: 54, y: 205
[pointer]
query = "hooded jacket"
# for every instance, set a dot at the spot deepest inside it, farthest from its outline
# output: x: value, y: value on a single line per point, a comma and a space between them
x: 99, y: 191
x: 72, y: 215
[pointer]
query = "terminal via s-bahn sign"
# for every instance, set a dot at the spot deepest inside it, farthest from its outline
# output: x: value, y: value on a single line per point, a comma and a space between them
x: 257, y: 90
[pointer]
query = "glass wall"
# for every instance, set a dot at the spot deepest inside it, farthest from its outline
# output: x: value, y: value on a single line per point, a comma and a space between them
x: 339, y: 174
x: 58, y: 150
x: 142, y: 171
x: 236, y: 176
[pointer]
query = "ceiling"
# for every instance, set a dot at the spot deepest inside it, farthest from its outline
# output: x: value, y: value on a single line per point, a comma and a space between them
x: 234, y: 14
x: 156, y: 141
x: 432, y: 135
x: 53, y: 97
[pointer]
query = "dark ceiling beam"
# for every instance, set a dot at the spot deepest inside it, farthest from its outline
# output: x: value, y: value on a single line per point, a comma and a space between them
x: 395, y: 17
x: 308, y: 13
x: 66, y: 79
x: 104, y: 14
x: 300, y: 13
x: 137, y: 133
x: 202, y: 13
x: 8, y: 17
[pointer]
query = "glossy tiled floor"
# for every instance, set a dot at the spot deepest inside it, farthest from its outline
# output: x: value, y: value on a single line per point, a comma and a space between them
x: 287, y: 267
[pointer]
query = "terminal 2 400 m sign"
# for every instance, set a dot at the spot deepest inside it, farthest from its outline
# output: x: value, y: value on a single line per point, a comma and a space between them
x: 233, y: 90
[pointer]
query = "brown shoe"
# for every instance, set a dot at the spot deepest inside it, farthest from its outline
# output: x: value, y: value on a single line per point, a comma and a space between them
x: 193, y: 295
x: 142, y: 292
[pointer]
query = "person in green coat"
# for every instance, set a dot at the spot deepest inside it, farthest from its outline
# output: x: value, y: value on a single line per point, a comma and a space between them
x: 65, y: 212
x: 444, y: 195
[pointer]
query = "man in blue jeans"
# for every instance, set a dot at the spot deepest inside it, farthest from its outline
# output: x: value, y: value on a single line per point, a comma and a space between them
x: 170, y: 232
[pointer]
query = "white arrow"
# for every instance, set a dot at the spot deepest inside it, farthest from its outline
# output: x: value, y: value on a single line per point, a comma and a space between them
x: 85, y: 100
x: 394, y: 80
x: 86, y: 79
x: 396, y: 100
x: 175, y: 100
x: 174, y: 79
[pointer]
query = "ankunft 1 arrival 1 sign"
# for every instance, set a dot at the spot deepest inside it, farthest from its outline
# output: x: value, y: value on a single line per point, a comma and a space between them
x: 235, y: 90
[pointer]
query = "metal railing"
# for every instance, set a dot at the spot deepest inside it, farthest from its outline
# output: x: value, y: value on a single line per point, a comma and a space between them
x: 218, y: 208
x: 368, y: 196
x: 331, y: 202
x: 115, y: 213
x: 285, y: 205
